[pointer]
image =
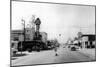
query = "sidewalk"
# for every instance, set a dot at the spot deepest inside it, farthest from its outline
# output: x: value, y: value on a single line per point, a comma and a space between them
x: 88, y: 52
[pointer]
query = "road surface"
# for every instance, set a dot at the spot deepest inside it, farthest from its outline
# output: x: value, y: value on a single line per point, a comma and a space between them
x: 47, y: 57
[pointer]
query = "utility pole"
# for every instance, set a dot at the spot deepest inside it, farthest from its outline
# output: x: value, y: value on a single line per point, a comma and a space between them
x: 21, y: 38
x: 24, y: 28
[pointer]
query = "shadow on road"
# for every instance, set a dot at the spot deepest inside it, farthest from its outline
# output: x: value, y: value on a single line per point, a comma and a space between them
x: 13, y: 58
x: 19, y: 55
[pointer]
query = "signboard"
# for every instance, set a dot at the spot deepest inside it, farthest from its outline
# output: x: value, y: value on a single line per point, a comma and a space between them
x: 85, y: 38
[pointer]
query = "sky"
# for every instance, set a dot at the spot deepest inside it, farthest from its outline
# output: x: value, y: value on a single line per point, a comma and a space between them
x: 56, y: 19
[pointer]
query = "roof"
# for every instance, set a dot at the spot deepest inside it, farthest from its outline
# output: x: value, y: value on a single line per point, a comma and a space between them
x: 92, y: 37
x: 88, y: 35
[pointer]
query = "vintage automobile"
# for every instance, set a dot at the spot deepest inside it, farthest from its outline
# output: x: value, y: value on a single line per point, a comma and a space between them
x: 14, y: 49
x: 74, y: 47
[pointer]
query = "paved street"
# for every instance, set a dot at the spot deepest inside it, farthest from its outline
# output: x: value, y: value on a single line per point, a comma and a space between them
x: 64, y: 55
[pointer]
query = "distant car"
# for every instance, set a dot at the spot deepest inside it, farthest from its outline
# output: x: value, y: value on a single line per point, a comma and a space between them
x: 29, y: 50
x: 74, y: 47
x: 13, y: 51
x: 68, y: 46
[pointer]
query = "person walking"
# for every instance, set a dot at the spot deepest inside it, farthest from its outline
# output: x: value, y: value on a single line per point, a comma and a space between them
x: 56, y: 49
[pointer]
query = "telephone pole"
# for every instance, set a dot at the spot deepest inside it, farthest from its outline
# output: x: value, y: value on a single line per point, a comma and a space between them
x: 24, y: 28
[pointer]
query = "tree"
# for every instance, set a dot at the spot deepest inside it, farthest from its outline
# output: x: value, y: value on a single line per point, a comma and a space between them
x: 32, y: 20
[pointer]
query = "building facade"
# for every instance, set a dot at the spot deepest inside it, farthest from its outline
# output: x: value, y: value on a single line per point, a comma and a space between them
x: 88, y: 40
x: 29, y: 34
x: 44, y: 36
x: 18, y: 35
x: 15, y: 34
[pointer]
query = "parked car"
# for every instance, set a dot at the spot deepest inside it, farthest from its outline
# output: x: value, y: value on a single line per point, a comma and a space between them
x: 13, y: 51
